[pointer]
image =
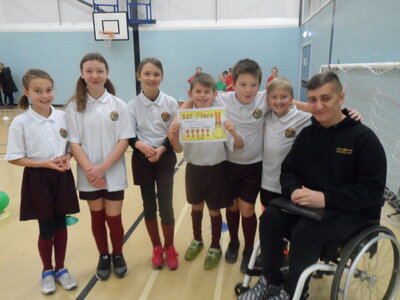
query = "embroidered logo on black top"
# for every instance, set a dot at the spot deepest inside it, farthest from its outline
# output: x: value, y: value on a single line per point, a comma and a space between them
x: 257, y: 114
x: 345, y: 151
x: 290, y: 133
x: 63, y: 133
x: 114, y: 116
x: 165, y: 116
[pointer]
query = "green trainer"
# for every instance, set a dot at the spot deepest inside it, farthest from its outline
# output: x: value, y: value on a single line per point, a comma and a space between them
x: 193, y: 250
x: 212, y: 258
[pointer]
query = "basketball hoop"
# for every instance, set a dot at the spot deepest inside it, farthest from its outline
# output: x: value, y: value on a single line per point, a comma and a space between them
x: 108, y: 36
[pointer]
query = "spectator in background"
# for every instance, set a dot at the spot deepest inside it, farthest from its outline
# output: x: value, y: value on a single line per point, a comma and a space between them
x: 220, y: 84
x: 274, y: 74
x: 8, y: 84
x: 199, y: 70
x: 1, y: 97
x: 228, y: 81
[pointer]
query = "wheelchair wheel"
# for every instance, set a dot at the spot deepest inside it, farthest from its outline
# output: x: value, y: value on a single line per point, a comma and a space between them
x: 240, y: 289
x: 369, y: 266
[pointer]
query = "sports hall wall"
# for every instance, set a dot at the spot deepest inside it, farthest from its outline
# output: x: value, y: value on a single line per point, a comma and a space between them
x: 365, y: 31
x: 37, y: 35
x: 180, y: 51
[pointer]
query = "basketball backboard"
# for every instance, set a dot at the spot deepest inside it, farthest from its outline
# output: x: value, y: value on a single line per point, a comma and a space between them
x: 110, y: 26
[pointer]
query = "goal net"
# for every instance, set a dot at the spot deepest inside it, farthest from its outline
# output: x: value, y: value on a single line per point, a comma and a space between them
x: 374, y: 90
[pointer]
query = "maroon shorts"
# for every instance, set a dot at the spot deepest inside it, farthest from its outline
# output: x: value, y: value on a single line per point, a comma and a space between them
x: 46, y: 192
x: 161, y: 171
x: 266, y: 196
x: 209, y: 184
x: 244, y: 181
x: 113, y: 196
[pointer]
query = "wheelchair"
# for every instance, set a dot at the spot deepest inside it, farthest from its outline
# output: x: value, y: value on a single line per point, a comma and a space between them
x: 365, y: 267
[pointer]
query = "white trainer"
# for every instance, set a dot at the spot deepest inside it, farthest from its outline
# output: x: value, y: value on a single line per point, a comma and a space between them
x: 66, y: 280
x: 48, y: 284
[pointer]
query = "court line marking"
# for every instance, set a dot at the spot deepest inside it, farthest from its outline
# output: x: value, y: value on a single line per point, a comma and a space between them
x: 92, y: 282
x: 221, y: 269
x: 153, y: 276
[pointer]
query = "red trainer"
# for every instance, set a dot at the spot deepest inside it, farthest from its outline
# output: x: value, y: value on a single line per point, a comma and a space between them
x: 157, y: 261
x: 172, y: 257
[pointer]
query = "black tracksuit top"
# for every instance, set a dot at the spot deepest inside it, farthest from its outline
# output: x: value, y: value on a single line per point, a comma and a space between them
x: 346, y: 162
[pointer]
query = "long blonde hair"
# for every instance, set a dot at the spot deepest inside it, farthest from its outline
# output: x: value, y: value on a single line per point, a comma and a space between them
x: 80, y: 95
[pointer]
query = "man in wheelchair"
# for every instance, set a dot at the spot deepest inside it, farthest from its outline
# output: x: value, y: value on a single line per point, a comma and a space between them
x: 337, y: 164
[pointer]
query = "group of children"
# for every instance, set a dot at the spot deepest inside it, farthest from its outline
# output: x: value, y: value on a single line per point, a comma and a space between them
x: 97, y: 128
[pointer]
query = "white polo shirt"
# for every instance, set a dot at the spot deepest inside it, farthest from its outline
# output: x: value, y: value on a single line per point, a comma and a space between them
x: 36, y: 137
x: 98, y: 129
x: 279, y: 135
x: 207, y: 153
x: 249, y: 121
x: 151, y: 119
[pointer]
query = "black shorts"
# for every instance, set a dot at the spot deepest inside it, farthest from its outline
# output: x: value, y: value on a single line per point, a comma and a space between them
x: 46, y: 192
x: 209, y: 184
x: 161, y: 171
x: 113, y: 196
x: 244, y: 181
x: 266, y: 196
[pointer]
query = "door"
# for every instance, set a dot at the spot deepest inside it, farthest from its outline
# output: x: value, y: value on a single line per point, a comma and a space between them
x: 304, y: 71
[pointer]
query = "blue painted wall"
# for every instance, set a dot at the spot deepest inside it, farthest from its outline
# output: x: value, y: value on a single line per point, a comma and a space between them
x: 180, y: 51
x: 364, y: 31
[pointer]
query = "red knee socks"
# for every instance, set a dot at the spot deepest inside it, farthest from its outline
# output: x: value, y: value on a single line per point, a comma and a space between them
x: 216, y: 227
x: 249, y: 226
x: 60, y: 247
x: 45, y: 252
x: 116, y: 233
x: 233, y: 220
x: 100, y: 231
x: 197, y: 217
x: 152, y: 229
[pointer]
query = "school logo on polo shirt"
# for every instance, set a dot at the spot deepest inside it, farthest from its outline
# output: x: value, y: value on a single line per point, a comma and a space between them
x: 114, y: 116
x: 165, y: 116
x: 63, y: 133
x: 290, y: 133
x: 257, y: 113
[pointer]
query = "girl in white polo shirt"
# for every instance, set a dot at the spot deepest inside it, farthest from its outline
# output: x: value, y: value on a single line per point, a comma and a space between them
x: 100, y: 127
x: 153, y: 160
x: 282, y: 124
x: 38, y: 141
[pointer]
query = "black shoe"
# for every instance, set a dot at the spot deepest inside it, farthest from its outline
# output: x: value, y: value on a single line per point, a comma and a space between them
x: 231, y: 254
x: 245, y: 260
x: 120, y: 268
x: 104, y: 267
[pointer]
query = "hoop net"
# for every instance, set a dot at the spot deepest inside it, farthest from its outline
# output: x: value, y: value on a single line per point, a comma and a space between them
x: 108, y: 36
x: 373, y: 90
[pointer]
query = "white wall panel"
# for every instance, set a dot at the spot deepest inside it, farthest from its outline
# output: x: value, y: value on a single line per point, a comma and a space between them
x: 45, y: 12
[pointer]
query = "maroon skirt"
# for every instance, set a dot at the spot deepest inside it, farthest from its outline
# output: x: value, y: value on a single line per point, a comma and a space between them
x: 46, y: 192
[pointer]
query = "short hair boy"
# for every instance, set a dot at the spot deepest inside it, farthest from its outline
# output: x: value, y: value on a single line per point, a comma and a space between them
x: 205, y: 161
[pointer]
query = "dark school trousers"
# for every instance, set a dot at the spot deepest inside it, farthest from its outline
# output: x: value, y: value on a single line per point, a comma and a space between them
x: 307, y: 238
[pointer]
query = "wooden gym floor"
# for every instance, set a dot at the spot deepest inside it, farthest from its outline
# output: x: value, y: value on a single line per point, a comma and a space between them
x: 20, y: 265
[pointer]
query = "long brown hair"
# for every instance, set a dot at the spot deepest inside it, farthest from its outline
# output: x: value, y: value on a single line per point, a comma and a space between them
x: 23, y: 102
x: 80, y: 95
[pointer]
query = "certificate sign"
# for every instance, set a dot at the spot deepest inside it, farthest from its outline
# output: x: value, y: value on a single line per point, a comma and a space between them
x: 202, y: 125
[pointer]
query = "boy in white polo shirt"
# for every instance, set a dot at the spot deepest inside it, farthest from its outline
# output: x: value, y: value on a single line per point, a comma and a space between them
x: 205, y: 161
x: 246, y: 108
